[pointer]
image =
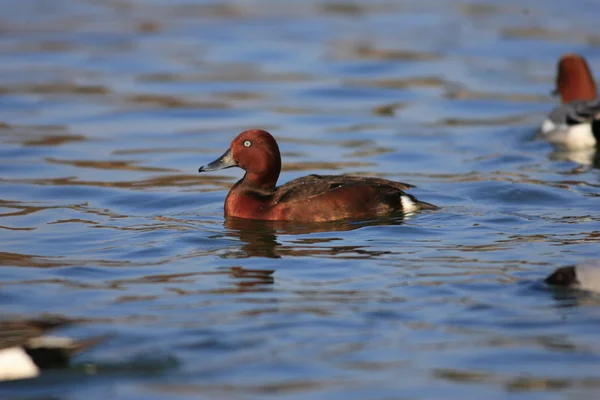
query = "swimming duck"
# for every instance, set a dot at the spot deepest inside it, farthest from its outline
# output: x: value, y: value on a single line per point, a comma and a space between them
x: 313, y: 198
x: 575, y: 123
x: 25, y: 351
x: 585, y: 277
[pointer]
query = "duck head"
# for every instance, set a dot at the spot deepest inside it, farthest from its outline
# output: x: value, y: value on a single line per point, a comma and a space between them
x: 574, y: 80
x: 256, y: 152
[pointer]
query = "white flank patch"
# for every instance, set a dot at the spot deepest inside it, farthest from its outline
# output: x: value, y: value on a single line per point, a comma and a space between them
x: 573, y: 137
x: 408, y: 205
x: 548, y: 126
x: 50, y: 342
x: 588, y: 277
x: 16, y: 364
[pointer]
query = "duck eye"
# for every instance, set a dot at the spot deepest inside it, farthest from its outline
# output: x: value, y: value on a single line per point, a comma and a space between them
x: 247, y: 143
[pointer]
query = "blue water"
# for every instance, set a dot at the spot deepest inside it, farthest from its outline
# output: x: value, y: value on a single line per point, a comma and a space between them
x: 108, y: 108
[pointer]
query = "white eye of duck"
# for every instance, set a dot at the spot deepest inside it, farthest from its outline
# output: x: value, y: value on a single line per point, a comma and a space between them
x: 247, y: 143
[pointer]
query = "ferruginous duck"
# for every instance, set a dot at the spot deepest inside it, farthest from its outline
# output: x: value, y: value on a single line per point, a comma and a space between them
x: 313, y: 198
x: 575, y: 124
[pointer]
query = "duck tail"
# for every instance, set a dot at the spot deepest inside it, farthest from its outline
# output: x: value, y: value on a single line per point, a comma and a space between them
x: 426, y: 206
x: 86, y: 344
x: 410, y: 204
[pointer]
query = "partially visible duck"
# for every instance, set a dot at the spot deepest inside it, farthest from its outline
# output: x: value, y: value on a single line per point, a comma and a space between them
x: 575, y: 123
x: 585, y: 277
x: 25, y: 350
x: 313, y: 198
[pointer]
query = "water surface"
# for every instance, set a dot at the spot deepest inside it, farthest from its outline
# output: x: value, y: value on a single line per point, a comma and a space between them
x: 108, y: 108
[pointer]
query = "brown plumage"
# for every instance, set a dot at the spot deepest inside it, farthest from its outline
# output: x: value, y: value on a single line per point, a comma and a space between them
x: 574, y: 79
x: 313, y: 198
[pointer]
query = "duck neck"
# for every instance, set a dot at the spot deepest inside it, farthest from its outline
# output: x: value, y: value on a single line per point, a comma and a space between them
x: 265, y: 181
x: 579, y: 91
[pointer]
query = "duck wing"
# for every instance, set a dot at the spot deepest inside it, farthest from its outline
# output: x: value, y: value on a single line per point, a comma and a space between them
x: 576, y: 112
x: 315, y: 185
x: 18, y: 333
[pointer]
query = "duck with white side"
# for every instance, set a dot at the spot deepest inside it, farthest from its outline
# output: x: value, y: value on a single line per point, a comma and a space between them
x: 25, y: 351
x: 584, y: 277
x: 575, y: 124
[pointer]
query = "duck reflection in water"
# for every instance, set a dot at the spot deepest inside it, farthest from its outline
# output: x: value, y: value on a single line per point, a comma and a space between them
x: 586, y: 158
x: 260, y: 238
x: 251, y: 280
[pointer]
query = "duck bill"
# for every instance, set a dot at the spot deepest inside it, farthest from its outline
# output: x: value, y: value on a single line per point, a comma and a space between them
x: 225, y: 161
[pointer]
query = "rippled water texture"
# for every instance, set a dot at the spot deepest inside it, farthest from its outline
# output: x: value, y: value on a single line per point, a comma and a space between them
x: 108, y: 108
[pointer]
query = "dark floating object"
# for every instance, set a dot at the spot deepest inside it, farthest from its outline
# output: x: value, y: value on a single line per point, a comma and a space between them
x: 25, y: 350
x: 585, y: 277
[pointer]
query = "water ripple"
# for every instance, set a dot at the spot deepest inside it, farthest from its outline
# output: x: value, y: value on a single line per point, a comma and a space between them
x: 107, y: 109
